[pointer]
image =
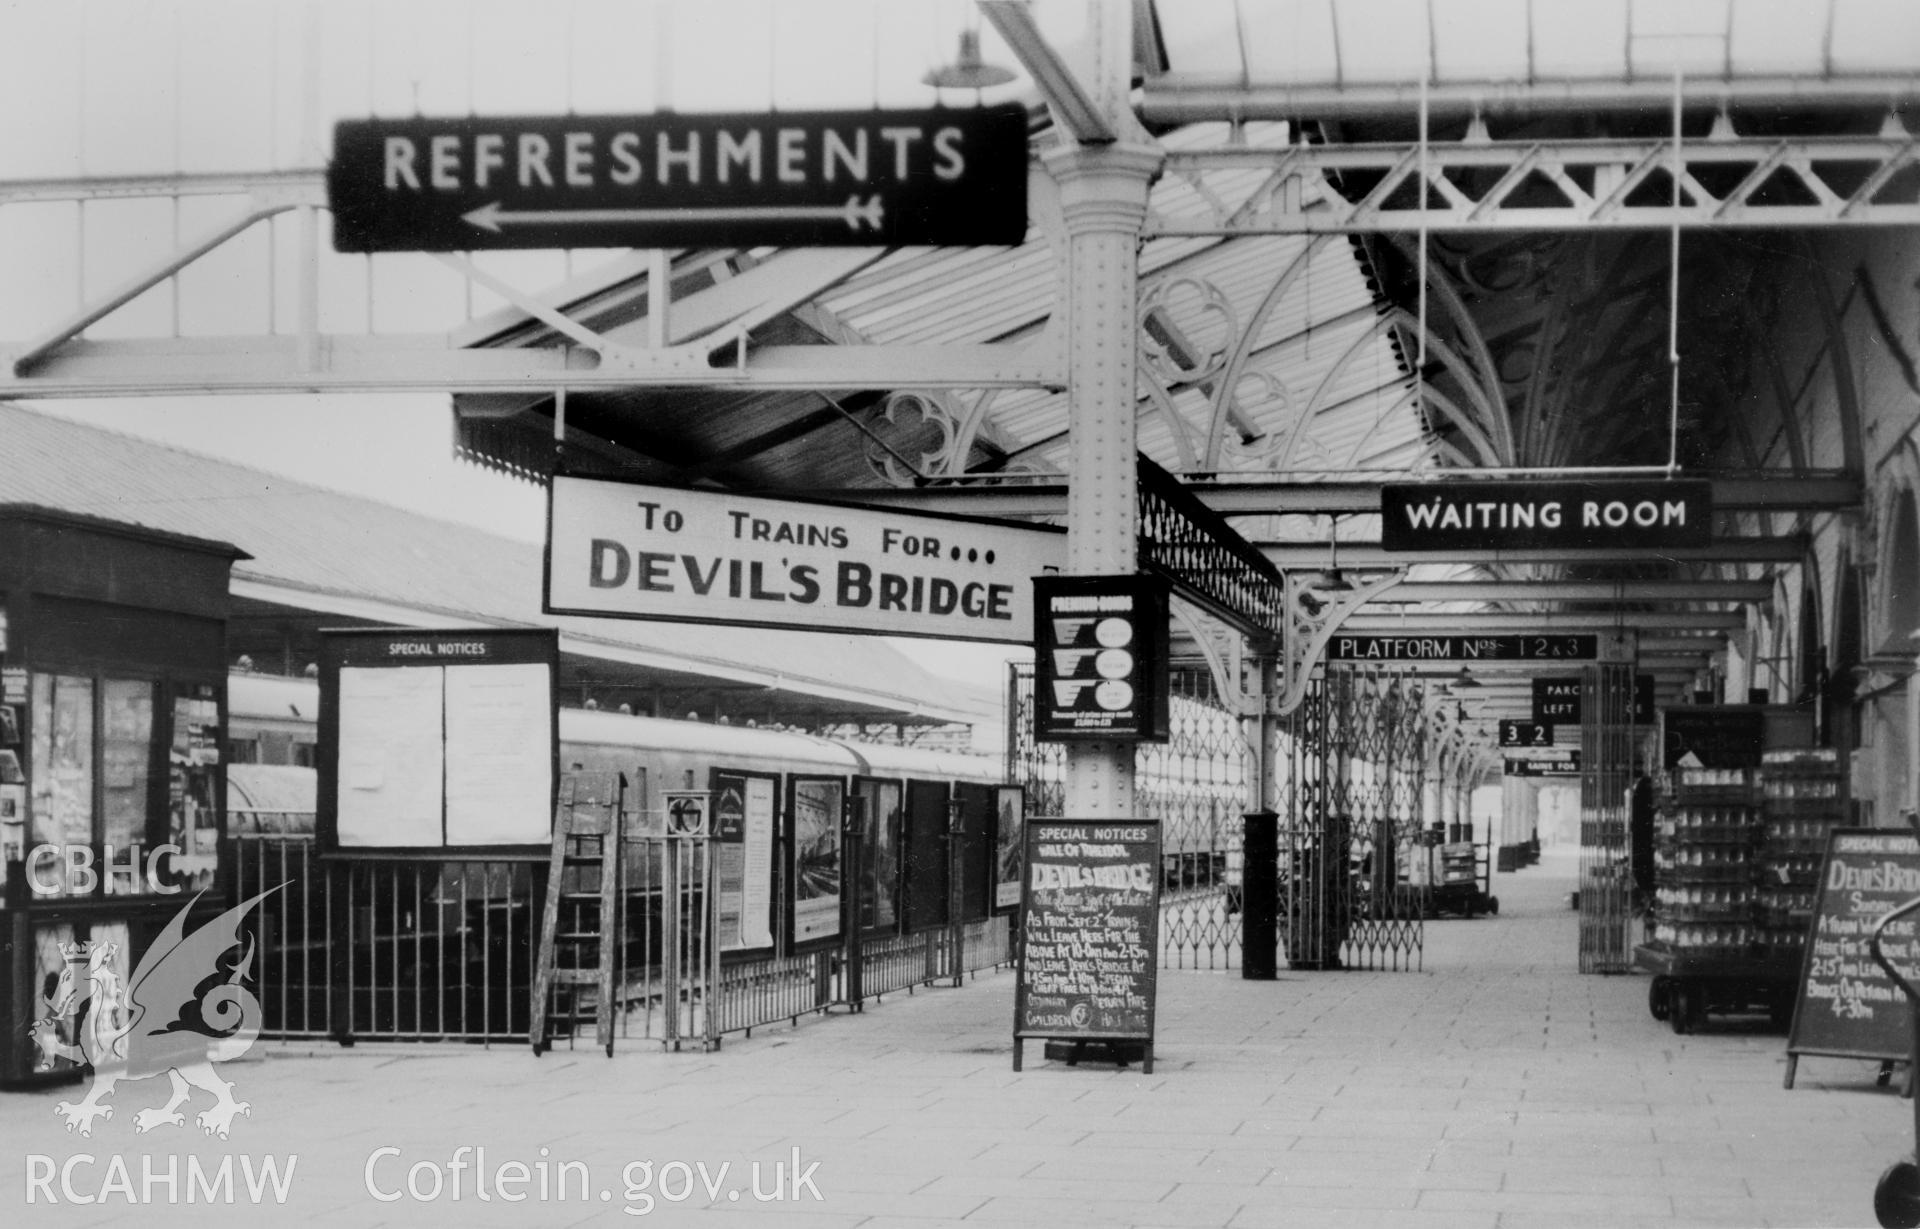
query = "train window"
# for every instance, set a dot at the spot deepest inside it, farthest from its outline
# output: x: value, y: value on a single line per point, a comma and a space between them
x: 926, y: 879
x: 977, y: 837
x: 305, y: 755
x: 243, y: 751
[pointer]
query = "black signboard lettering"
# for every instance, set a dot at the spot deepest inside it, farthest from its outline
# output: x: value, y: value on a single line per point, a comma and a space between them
x: 1715, y: 736
x: 1100, y: 658
x: 1565, y: 764
x: 1557, y: 699
x: 1489, y: 515
x: 1090, y: 932
x: 1464, y: 649
x: 793, y: 178
x: 1525, y: 733
x: 1847, y: 1005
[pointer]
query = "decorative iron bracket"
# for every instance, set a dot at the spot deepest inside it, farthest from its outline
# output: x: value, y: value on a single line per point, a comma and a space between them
x: 1312, y: 617
x: 1207, y: 560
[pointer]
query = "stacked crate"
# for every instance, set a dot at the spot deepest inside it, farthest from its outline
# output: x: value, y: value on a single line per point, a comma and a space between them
x: 1705, y: 862
x: 1802, y: 801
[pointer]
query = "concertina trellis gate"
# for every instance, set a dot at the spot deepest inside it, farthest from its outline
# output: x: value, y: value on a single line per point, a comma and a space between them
x: 1349, y: 767
x: 441, y: 949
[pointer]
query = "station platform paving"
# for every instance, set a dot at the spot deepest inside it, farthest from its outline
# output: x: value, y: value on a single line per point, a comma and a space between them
x: 1495, y: 1087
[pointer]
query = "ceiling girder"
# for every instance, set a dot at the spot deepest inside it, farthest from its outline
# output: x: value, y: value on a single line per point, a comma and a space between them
x: 1771, y: 491
x: 1576, y: 591
x: 424, y: 363
x: 1517, y: 622
x: 1186, y: 98
x: 1477, y: 185
x: 1783, y: 548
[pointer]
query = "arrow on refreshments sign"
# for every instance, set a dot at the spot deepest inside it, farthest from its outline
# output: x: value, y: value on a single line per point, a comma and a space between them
x: 492, y: 217
x: 789, y: 178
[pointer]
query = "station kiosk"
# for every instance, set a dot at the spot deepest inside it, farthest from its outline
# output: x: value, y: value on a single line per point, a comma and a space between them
x: 112, y: 799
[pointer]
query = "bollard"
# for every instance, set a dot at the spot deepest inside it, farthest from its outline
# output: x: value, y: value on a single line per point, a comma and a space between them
x: 1260, y: 896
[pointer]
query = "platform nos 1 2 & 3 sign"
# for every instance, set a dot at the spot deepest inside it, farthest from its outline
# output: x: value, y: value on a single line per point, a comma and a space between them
x: 797, y: 178
x: 634, y: 551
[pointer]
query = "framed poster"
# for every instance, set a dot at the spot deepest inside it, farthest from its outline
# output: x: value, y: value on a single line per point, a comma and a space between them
x: 742, y: 827
x: 437, y: 742
x: 877, y: 902
x: 815, y: 808
x: 1009, y: 818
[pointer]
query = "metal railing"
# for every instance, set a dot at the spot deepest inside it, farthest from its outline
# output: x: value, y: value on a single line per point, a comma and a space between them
x: 442, y: 950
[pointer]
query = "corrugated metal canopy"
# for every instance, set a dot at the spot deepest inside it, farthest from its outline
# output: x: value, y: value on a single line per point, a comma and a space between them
x: 350, y: 560
x: 1320, y: 385
x: 1299, y: 43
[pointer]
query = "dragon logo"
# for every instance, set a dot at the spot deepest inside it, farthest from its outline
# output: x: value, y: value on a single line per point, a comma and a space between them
x: 127, y: 1034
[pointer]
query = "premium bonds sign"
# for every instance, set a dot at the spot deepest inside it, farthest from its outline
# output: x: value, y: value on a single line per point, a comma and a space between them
x: 1488, y: 515
x: 1100, y: 659
x: 648, y: 552
x: 879, y: 178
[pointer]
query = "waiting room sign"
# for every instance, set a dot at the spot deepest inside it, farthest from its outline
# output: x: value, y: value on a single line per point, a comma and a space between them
x: 1497, y: 515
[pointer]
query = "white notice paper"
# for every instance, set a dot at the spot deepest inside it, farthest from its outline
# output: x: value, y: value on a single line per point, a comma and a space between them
x: 499, y: 755
x: 758, y: 894
x: 390, y: 770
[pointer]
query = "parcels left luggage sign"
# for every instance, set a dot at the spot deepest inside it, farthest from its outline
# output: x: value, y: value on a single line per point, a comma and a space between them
x: 801, y: 178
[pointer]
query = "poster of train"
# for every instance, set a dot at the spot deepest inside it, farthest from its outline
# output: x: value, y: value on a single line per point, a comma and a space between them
x: 1009, y: 817
x: 879, y: 896
x: 814, y: 808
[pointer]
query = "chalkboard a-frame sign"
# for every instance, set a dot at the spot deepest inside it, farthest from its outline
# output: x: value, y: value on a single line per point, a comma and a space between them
x: 1089, y: 933
x: 1846, y: 1006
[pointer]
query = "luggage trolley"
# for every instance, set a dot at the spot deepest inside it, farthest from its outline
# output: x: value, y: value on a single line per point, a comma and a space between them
x: 1714, y: 948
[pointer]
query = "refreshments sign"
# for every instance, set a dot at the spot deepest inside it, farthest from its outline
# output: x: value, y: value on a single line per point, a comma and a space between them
x: 794, y: 178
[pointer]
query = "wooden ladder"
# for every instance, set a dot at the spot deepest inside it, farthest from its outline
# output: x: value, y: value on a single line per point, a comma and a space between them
x: 579, y: 926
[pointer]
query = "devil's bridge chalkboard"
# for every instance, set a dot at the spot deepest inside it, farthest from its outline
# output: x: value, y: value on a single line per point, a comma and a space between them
x: 1847, y: 1006
x: 1089, y: 933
